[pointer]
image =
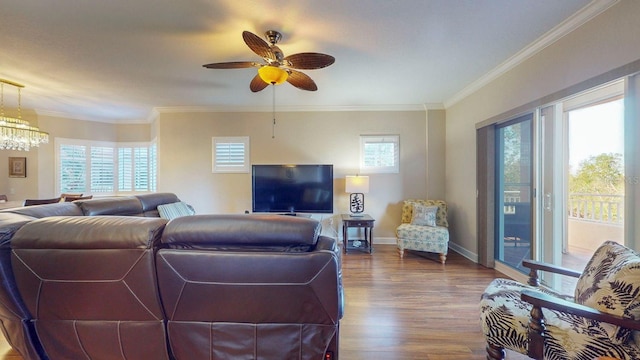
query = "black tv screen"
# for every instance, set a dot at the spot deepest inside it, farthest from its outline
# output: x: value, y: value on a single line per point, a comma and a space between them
x: 292, y: 188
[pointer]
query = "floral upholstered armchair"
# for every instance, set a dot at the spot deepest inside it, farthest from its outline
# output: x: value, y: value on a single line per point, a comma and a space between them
x: 424, y: 227
x: 602, y: 319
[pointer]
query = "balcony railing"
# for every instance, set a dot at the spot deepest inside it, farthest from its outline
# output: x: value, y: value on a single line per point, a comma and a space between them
x: 605, y: 208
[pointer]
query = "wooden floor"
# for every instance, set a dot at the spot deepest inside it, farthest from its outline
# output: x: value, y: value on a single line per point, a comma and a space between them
x: 413, y: 308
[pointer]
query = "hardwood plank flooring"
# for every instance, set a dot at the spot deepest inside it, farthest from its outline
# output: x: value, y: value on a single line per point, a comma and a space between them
x: 414, y: 308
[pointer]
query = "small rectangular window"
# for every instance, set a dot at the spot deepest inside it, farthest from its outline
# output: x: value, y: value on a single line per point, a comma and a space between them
x: 231, y: 154
x: 379, y: 154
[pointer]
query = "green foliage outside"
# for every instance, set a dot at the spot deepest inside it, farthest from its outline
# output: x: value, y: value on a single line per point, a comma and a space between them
x: 597, y: 188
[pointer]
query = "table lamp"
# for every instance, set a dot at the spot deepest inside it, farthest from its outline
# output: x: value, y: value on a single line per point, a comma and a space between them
x: 357, y: 186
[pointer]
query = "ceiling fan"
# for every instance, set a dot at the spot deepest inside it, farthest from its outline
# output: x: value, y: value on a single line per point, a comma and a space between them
x: 276, y: 67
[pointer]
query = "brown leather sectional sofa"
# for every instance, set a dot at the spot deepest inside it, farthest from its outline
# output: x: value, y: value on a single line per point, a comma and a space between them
x: 107, y: 278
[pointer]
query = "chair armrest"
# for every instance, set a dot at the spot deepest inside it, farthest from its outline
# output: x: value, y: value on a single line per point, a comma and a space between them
x: 537, y: 265
x: 537, y: 325
x: 542, y: 300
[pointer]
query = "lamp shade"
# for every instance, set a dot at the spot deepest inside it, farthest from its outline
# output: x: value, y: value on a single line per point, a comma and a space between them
x: 356, y: 184
x: 272, y: 75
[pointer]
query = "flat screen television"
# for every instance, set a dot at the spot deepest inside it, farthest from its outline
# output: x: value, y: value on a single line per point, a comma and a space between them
x: 292, y: 189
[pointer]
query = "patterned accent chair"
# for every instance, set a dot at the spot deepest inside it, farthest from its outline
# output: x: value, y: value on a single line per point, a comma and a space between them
x: 430, y: 235
x: 600, y: 320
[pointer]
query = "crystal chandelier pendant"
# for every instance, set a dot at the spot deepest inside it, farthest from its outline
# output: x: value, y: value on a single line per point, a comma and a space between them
x: 16, y: 133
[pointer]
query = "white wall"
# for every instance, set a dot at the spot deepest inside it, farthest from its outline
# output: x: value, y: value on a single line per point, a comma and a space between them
x: 606, y: 42
x: 300, y: 137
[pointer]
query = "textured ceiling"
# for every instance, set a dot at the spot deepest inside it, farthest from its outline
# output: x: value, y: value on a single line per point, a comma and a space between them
x: 117, y: 60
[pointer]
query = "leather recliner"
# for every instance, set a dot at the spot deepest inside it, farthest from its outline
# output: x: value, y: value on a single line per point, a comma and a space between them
x: 89, y: 283
x: 15, y: 319
x: 250, y: 287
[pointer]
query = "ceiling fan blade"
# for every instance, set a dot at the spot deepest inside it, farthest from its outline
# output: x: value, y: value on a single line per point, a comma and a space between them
x: 309, y: 61
x: 301, y: 81
x: 258, y: 46
x: 257, y: 84
x: 232, y: 65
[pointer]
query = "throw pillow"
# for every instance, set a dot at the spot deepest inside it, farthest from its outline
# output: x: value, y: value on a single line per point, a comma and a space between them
x: 174, y: 210
x: 424, y: 215
x: 611, y: 283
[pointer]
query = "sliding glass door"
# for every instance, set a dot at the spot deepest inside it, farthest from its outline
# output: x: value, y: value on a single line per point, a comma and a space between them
x: 582, y: 178
x: 514, y: 191
x: 557, y: 182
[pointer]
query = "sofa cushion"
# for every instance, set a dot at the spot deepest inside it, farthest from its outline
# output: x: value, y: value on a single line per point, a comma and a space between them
x: 611, y: 283
x: 41, y: 211
x: 89, y: 232
x: 174, y: 210
x: 125, y: 206
x: 242, y: 232
x: 151, y: 201
x: 424, y: 215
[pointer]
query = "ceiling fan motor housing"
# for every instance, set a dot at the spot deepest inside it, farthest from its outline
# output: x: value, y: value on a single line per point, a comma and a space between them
x: 273, y: 36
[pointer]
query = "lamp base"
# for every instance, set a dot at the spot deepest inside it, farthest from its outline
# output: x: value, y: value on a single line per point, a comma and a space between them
x: 356, y: 203
x: 356, y: 215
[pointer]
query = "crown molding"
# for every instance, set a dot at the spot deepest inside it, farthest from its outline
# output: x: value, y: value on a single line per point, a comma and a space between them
x: 593, y: 9
x: 72, y: 116
x: 285, y: 108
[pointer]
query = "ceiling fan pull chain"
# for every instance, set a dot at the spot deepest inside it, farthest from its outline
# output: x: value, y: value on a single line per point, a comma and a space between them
x: 273, y: 126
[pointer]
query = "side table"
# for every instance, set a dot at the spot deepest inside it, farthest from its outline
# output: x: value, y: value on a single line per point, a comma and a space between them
x: 364, y: 222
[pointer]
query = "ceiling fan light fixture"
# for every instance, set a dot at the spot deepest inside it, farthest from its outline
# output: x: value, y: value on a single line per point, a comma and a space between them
x: 272, y: 74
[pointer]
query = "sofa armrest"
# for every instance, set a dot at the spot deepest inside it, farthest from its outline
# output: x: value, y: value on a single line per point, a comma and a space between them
x: 534, y: 266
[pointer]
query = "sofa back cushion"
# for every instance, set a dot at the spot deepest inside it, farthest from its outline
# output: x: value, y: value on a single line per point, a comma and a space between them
x: 151, y: 201
x: 40, y: 211
x: 441, y: 214
x: 123, y: 206
x: 611, y: 283
x: 242, y: 233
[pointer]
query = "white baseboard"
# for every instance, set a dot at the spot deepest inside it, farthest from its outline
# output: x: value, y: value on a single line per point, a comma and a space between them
x: 384, y: 240
x: 464, y: 252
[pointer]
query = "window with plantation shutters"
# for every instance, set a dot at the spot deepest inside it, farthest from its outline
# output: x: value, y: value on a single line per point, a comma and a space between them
x: 101, y: 168
x: 379, y: 154
x: 230, y: 154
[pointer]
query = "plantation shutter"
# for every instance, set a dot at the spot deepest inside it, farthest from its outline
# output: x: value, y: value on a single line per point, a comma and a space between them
x: 72, y: 162
x: 102, y: 169
x: 231, y: 154
x: 125, y: 169
x: 141, y: 168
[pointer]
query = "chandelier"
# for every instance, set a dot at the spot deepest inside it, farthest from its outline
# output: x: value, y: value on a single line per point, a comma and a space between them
x: 16, y: 133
